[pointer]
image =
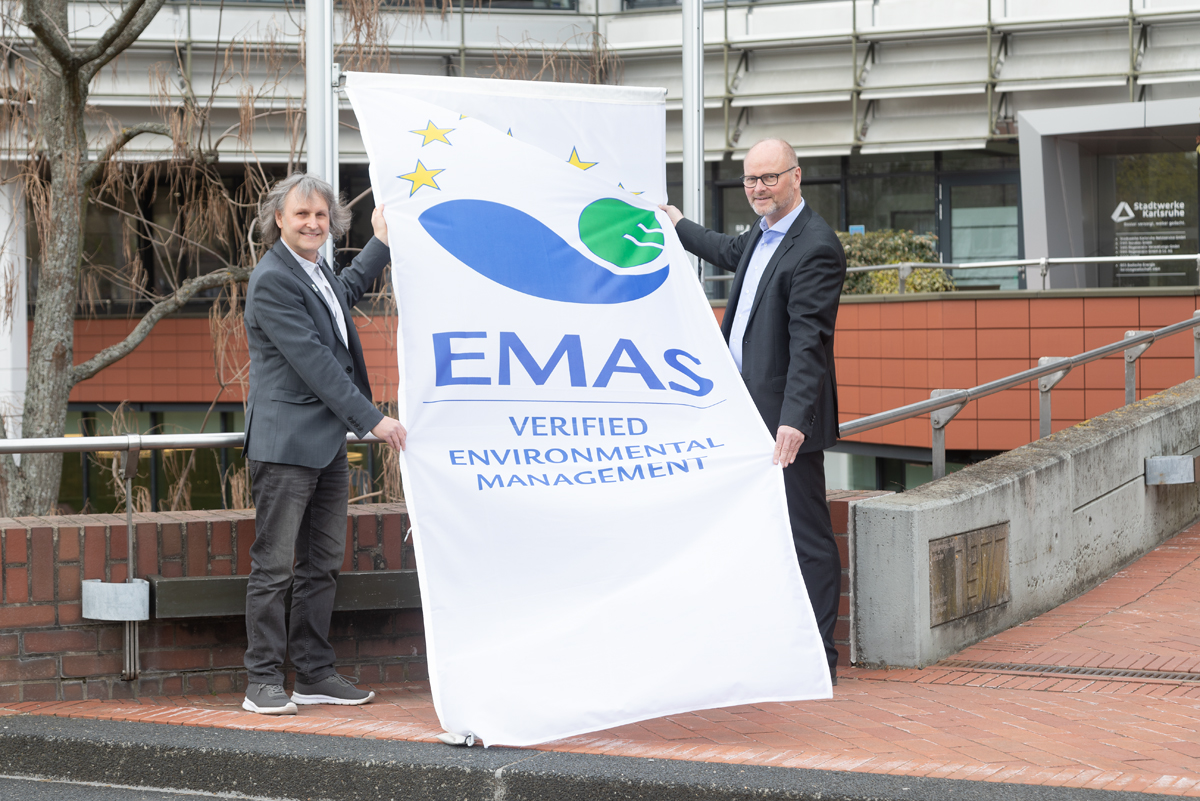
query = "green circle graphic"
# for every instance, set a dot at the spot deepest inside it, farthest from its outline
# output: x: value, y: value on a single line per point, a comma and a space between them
x: 621, y: 234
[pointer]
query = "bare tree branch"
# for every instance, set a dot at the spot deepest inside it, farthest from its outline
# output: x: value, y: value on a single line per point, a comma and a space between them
x: 232, y: 129
x: 92, y: 171
x: 169, y: 232
x: 361, y: 195
x: 120, y: 35
x: 187, y: 290
x: 54, y: 40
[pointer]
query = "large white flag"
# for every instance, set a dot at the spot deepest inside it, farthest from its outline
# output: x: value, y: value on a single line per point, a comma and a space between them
x: 616, y: 133
x: 600, y: 533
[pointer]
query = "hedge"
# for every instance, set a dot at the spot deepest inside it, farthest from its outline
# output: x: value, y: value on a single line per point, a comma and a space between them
x: 892, y: 247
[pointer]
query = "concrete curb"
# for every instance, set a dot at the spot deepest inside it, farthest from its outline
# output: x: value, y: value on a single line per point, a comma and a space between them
x: 348, y: 769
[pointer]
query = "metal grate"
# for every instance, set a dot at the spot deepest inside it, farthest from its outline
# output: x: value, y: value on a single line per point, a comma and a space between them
x: 1068, y: 670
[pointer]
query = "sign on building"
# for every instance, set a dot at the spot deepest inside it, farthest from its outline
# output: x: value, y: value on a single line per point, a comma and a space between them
x: 1154, y: 214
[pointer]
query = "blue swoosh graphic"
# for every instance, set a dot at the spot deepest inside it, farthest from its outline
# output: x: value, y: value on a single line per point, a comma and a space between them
x: 519, y: 252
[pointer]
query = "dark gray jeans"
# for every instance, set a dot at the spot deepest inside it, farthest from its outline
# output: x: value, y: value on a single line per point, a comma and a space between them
x: 300, y: 518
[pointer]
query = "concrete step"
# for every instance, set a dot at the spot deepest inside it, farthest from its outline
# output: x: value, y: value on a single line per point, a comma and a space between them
x: 305, y: 766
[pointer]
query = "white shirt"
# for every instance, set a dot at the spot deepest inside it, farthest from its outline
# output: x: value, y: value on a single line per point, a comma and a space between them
x: 767, y: 244
x: 321, y: 284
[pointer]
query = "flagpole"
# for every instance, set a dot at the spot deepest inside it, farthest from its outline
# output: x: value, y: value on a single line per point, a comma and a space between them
x: 693, y: 111
x: 321, y: 97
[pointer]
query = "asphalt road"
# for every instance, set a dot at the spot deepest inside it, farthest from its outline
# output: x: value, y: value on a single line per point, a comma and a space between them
x: 22, y: 789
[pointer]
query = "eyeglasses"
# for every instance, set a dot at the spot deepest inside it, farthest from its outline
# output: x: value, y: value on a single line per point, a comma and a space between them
x: 770, y: 179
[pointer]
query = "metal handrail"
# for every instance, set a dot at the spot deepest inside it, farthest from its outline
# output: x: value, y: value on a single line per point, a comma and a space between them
x: 1050, y: 371
x: 1043, y: 264
x: 130, y: 446
x: 140, y: 442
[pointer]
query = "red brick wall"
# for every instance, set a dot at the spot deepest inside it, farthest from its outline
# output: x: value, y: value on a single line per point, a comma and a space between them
x: 840, y: 503
x: 893, y: 353
x: 47, y: 650
x: 175, y: 364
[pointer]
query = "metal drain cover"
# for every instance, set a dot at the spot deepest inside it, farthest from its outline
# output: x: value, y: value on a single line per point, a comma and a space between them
x: 1068, y: 670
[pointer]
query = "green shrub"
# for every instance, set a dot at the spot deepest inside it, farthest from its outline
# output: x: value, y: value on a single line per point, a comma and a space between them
x: 892, y: 247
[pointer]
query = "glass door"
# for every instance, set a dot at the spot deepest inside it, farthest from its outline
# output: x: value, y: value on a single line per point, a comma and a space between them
x: 980, y: 220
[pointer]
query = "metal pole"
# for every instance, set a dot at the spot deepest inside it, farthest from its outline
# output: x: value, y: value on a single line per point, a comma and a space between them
x: 320, y: 111
x: 939, y: 452
x: 132, y: 454
x: 854, y: 87
x: 991, y: 74
x: 1132, y: 54
x: 1043, y: 412
x: 1131, y: 357
x: 462, y: 37
x: 1045, y: 385
x: 1130, y: 380
x: 693, y: 111
x: 938, y: 419
x: 1196, y: 347
x: 335, y: 75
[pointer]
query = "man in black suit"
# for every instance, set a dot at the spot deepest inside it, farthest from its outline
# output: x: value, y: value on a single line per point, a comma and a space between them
x: 779, y: 325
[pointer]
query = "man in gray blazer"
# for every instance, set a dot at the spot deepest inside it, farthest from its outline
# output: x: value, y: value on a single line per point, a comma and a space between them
x: 779, y: 325
x: 308, y: 387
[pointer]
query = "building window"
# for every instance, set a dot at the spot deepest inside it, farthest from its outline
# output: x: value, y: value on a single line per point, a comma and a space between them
x: 892, y: 193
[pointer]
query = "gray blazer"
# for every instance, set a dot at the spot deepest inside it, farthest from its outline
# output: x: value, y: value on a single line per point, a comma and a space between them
x: 787, y: 353
x: 307, y: 389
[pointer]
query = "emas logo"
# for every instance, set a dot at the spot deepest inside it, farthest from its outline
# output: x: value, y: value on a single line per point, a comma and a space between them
x: 520, y: 252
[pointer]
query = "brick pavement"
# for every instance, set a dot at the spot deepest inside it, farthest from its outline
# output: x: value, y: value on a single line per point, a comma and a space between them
x: 965, y: 718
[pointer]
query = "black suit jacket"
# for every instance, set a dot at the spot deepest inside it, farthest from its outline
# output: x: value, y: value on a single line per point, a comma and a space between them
x: 307, y: 389
x: 787, y: 352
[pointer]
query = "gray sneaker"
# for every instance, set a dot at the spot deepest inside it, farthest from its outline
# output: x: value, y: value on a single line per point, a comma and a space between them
x: 334, y: 689
x: 268, y: 699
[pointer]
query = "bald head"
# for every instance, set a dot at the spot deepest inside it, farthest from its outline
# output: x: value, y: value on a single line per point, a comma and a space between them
x: 775, y: 148
x: 772, y: 160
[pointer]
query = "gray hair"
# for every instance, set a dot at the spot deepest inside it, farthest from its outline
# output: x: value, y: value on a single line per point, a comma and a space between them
x: 306, y: 186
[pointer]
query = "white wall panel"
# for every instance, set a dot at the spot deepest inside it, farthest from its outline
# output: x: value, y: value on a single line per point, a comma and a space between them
x: 1054, y: 60
x: 796, y: 75
x: 927, y: 68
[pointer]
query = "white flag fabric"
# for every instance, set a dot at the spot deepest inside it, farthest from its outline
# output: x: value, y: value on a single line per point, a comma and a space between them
x: 600, y: 533
x: 617, y: 133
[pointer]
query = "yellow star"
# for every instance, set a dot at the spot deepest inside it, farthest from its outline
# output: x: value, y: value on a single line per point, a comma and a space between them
x: 630, y: 191
x: 583, y: 165
x: 510, y: 131
x: 433, y: 134
x: 421, y: 176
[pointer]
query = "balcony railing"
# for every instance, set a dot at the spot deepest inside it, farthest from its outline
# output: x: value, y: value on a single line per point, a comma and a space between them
x: 1022, y: 266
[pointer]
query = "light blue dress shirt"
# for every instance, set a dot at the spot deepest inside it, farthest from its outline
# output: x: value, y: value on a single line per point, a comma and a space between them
x: 763, y: 251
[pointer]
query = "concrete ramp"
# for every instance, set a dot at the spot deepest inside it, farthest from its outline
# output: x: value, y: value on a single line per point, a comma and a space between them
x: 943, y: 566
